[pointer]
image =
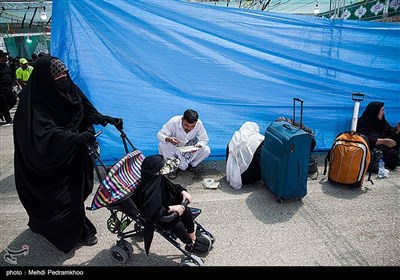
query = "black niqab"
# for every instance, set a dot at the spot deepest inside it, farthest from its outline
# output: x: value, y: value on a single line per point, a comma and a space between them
x: 53, y: 173
x: 154, y: 195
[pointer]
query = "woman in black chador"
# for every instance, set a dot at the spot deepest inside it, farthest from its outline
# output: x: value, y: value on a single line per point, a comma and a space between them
x: 53, y: 171
x: 380, y: 133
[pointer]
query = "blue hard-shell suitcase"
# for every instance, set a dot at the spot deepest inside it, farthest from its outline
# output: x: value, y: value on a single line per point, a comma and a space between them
x: 284, y: 158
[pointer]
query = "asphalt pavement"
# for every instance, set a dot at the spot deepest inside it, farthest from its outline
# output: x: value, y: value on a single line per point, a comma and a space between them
x: 332, y: 226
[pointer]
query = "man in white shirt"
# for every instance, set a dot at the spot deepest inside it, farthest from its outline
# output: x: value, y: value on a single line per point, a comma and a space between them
x: 184, y: 131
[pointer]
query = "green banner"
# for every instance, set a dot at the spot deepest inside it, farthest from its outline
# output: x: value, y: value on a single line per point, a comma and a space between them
x: 20, y: 46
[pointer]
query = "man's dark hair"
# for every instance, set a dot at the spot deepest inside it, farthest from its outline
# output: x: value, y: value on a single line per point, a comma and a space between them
x: 190, y: 116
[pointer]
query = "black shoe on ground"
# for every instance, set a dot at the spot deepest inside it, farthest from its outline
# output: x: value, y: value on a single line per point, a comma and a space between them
x: 89, y: 241
x: 8, y: 123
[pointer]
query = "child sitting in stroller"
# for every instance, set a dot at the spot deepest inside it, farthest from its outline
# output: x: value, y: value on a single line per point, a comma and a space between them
x: 157, y: 197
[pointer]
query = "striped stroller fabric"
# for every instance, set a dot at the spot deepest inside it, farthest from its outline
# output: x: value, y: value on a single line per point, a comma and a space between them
x: 123, y: 179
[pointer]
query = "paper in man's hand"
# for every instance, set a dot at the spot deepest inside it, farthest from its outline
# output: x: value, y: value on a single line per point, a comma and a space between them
x: 187, y: 149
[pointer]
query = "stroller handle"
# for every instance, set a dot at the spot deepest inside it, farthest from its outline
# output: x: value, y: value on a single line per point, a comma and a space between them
x: 95, y: 156
x: 171, y: 217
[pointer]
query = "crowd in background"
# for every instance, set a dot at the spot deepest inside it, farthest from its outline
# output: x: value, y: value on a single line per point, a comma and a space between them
x: 14, y: 74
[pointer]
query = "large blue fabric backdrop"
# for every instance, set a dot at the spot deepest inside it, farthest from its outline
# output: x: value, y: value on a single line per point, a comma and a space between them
x: 146, y: 61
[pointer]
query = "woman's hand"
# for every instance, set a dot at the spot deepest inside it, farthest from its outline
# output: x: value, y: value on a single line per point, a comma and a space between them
x: 177, y: 208
x: 117, y: 122
x: 387, y: 142
x: 186, y: 196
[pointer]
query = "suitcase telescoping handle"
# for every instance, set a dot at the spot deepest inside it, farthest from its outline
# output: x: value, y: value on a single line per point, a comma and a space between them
x: 357, y: 98
x: 301, y: 110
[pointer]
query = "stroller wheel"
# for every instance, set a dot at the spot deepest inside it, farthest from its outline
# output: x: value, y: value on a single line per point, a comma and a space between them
x: 126, y: 245
x: 192, y: 261
x: 119, y: 254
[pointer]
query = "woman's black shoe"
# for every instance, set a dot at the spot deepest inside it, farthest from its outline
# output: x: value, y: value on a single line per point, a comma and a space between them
x: 90, y: 240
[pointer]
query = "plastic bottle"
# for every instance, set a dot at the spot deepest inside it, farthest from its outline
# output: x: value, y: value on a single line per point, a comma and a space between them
x: 381, y: 170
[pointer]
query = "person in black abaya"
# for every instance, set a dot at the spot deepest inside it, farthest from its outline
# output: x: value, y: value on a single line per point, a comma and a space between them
x: 157, y: 197
x: 53, y: 171
x: 380, y: 133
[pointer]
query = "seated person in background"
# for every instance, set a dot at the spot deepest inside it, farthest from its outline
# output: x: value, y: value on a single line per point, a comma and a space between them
x: 243, y: 156
x: 380, y: 133
x: 184, y: 130
x: 7, y: 98
x: 156, y: 196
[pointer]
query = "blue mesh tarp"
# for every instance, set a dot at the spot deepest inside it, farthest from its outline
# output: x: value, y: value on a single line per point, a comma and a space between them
x: 146, y: 61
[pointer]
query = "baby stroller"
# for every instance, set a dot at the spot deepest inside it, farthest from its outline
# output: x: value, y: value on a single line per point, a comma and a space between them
x: 114, y: 193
